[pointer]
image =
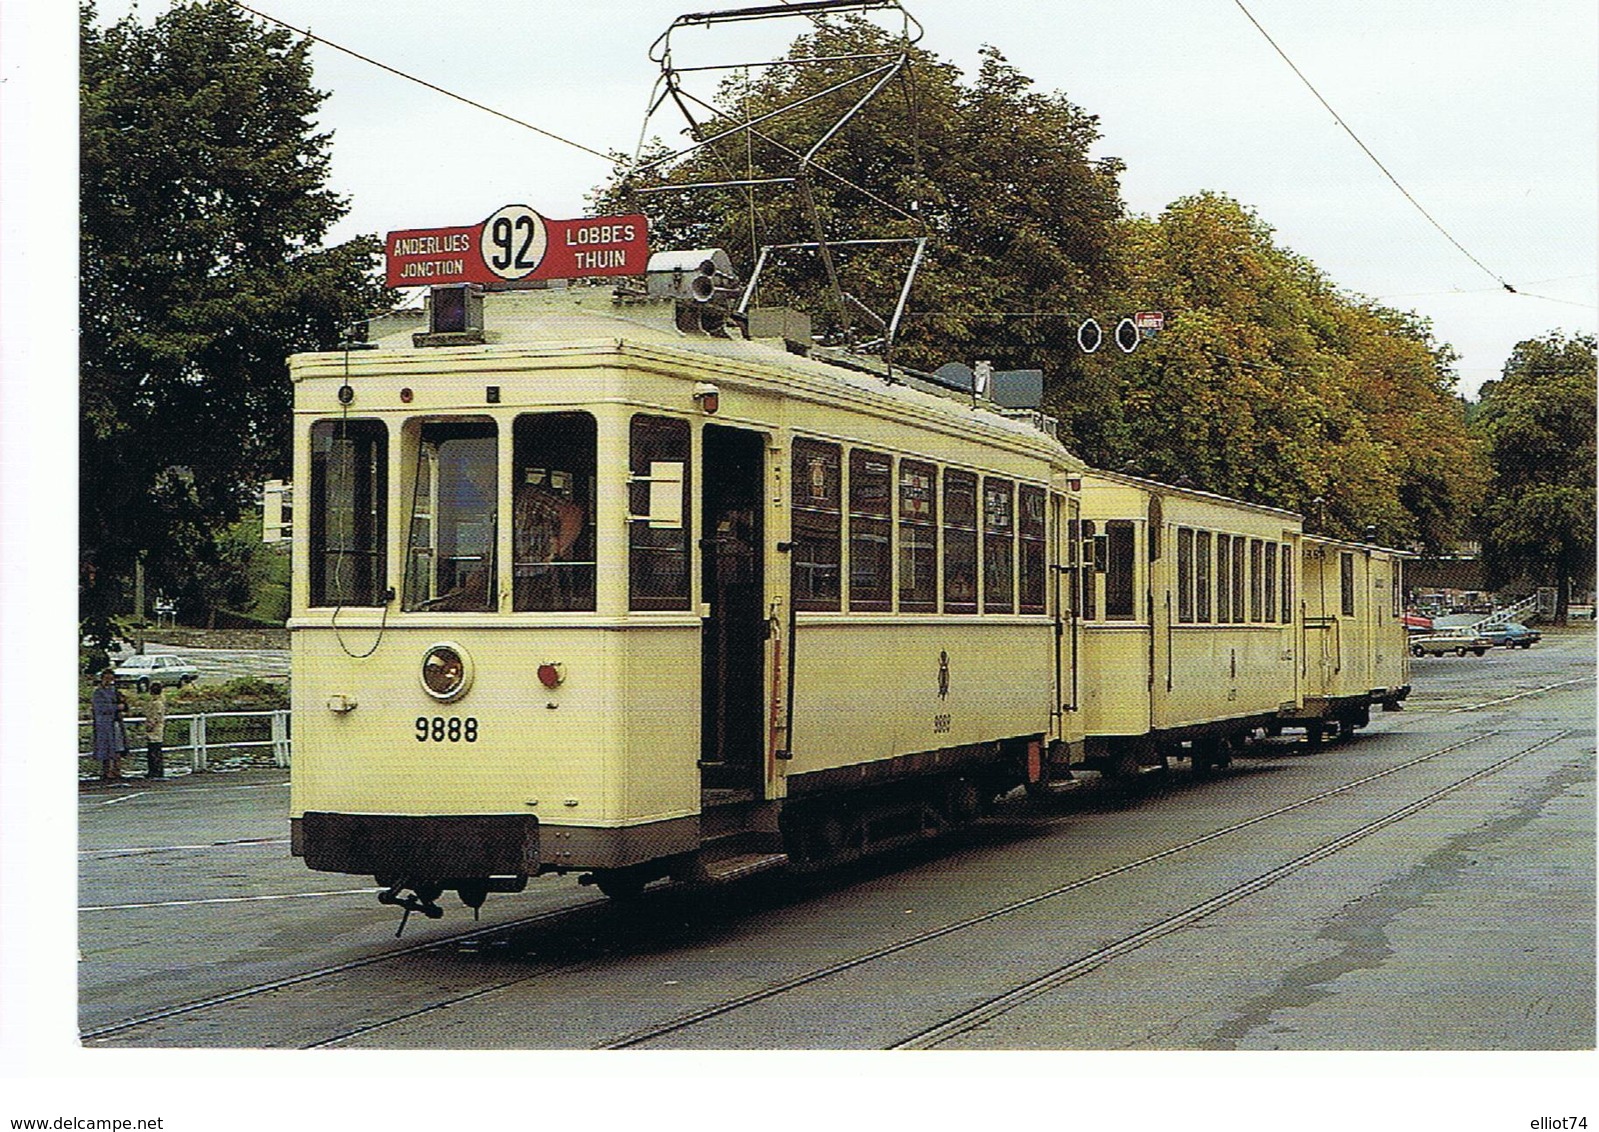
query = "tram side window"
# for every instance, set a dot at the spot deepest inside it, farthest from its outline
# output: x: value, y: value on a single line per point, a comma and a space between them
x: 817, y: 521
x: 1238, y: 578
x: 1202, y: 576
x: 658, y: 558
x: 1269, y: 574
x: 960, y: 542
x: 999, y: 545
x: 1224, y: 600
x: 1185, y: 576
x: 1091, y: 568
x: 1346, y: 583
x: 1288, y: 584
x: 871, y: 580
x: 349, y: 500
x: 1255, y: 613
x: 918, y: 537
x: 552, y: 512
x: 1033, y: 559
x: 1119, y: 559
x: 449, y: 561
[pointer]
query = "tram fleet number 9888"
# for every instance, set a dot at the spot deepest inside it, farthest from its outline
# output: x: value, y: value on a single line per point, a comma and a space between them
x: 441, y: 730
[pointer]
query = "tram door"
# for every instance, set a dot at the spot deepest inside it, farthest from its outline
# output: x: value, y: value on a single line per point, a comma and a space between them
x: 732, y: 740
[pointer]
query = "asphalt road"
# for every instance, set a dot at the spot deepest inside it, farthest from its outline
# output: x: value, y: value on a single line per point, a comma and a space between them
x: 1426, y: 885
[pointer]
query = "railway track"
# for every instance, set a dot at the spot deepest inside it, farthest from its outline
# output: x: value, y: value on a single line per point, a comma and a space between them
x: 457, y: 984
x: 1082, y: 965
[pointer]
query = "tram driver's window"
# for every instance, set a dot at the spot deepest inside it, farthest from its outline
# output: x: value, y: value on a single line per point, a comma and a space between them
x: 552, y: 512
x: 454, y: 508
x: 349, y: 499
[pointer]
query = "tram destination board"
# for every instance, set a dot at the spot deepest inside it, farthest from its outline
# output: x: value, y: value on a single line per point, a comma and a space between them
x: 517, y: 243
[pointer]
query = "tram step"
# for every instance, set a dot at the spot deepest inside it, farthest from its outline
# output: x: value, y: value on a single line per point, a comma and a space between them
x: 724, y: 869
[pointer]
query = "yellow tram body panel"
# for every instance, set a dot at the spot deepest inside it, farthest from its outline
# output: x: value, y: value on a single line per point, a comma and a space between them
x: 1172, y: 643
x: 1355, y: 642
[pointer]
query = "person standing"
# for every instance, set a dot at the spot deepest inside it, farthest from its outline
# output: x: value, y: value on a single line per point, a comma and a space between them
x: 155, y: 733
x: 110, y: 736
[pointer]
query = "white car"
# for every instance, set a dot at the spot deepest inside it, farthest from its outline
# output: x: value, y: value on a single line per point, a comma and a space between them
x: 168, y: 671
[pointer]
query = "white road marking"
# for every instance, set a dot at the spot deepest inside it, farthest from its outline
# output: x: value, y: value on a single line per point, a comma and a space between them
x: 129, y: 850
x: 224, y: 900
x: 125, y: 798
x: 1520, y: 695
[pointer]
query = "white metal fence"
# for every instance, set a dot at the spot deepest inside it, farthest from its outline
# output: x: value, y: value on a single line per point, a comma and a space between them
x: 210, y: 736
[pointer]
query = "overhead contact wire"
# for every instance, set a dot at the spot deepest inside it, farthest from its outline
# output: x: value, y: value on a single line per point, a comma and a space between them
x: 608, y: 158
x: 1364, y: 148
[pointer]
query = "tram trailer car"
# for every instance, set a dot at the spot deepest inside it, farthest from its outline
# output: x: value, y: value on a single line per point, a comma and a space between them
x: 592, y: 589
x: 1354, y: 648
x: 1190, y: 636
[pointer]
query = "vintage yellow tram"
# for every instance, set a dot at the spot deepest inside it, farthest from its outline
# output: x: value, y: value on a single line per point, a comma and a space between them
x: 610, y: 581
x: 581, y: 589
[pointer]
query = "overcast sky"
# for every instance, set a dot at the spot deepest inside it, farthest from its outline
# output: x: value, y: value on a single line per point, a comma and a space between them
x: 1485, y: 112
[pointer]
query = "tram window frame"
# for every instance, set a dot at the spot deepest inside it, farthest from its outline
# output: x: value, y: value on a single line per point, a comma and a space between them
x: 917, y: 496
x: 1202, y: 565
x: 999, y: 545
x: 1091, y: 570
x: 818, y: 524
x: 1121, y: 565
x: 1268, y: 574
x: 871, y: 554
x: 1288, y: 584
x: 553, y: 563
x: 1032, y: 548
x: 1239, y: 593
x: 1398, y: 591
x: 368, y: 512
x: 960, y: 541
x: 1346, y: 583
x: 659, y: 578
x: 457, y: 468
x: 1256, y: 551
x: 1185, y: 576
x: 1224, y: 588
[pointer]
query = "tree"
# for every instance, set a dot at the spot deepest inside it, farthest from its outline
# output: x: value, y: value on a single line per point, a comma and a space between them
x: 1538, y: 422
x: 1270, y: 384
x: 204, y: 204
x: 996, y: 173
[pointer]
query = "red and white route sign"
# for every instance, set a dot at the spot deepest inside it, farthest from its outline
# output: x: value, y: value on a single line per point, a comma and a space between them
x: 517, y: 243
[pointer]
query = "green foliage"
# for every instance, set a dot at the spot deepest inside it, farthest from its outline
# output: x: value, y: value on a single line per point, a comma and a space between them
x: 1021, y: 217
x: 1271, y: 385
x: 1538, y: 424
x: 203, y: 207
x: 1268, y: 383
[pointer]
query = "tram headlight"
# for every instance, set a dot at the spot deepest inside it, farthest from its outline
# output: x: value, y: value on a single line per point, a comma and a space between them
x: 446, y: 672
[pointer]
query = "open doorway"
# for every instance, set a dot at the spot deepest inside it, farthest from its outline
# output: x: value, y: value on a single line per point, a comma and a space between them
x: 732, y: 742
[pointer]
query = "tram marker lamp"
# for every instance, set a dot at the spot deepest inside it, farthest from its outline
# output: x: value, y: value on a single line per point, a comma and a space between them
x: 708, y: 397
x: 552, y: 675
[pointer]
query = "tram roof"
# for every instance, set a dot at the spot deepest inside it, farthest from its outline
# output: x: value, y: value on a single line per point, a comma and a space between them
x: 593, y: 317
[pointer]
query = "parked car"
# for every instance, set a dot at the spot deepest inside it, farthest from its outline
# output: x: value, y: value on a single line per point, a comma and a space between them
x: 168, y: 671
x: 1512, y: 636
x: 1459, y: 642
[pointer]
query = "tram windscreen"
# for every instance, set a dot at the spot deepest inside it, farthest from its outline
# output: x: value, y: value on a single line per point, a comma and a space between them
x: 454, y: 501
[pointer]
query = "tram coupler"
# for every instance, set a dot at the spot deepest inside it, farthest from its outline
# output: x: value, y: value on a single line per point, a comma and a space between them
x: 413, y: 902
